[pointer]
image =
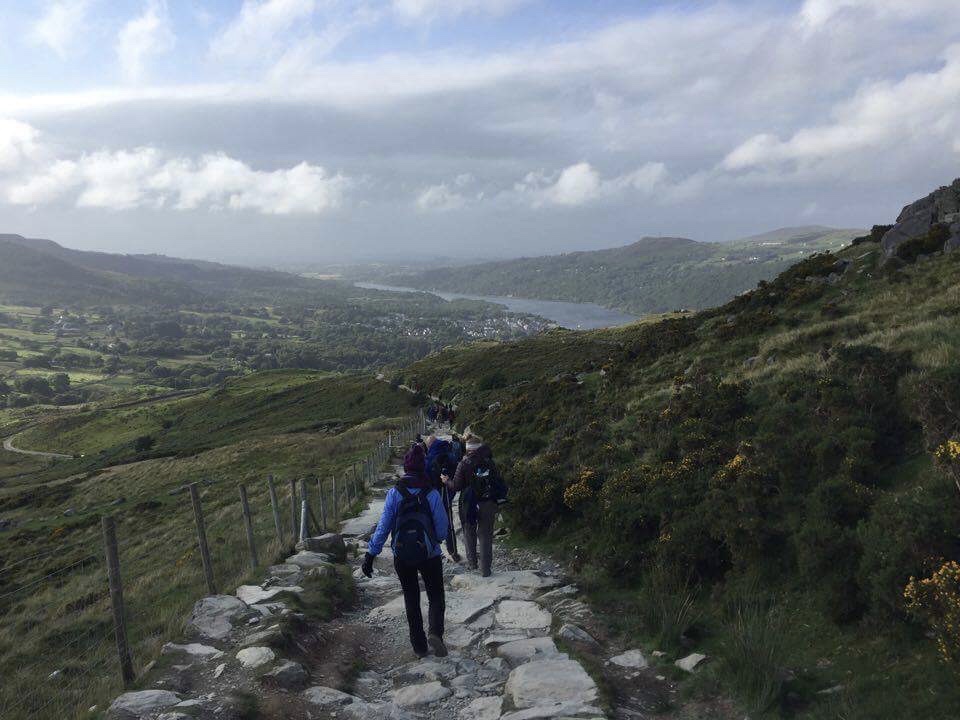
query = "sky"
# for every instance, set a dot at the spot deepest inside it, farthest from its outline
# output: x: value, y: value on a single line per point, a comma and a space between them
x: 316, y: 131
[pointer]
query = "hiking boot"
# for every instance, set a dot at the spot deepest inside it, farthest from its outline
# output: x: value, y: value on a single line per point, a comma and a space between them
x: 437, y: 645
x: 421, y: 653
x: 456, y: 557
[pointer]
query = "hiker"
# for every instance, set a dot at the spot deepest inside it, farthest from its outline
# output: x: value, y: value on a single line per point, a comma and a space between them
x: 442, y: 415
x: 482, y: 490
x: 414, y: 517
x: 432, y: 413
x: 441, y: 464
x: 452, y: 415
x: 456, y: 449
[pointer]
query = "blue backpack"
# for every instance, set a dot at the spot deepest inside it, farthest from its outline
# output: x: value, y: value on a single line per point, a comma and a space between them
x: 414, y: 535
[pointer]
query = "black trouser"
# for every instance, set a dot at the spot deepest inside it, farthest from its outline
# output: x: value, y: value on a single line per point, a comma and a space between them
x: 480, y: 530
x: 432, y: 573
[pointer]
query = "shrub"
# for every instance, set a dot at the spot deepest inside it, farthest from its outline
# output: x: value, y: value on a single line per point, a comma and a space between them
x: 926, y: 244
x: 876, y: 235
x: 668, y: 604
x: 536, y: 494
x: 936, y: 601
x: 143, y: 443
x: 755, y: 651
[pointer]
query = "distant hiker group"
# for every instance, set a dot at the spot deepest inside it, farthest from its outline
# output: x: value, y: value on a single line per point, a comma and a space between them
x: 418, y: 517
x: 442, y: 414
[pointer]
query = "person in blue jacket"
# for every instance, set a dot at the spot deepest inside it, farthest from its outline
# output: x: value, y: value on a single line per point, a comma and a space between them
x: 441, y: 464
x: 405, y: 510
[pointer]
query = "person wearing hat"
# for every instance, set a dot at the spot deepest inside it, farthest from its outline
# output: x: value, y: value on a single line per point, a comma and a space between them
x: 414, y: 517
x: 481, y: 488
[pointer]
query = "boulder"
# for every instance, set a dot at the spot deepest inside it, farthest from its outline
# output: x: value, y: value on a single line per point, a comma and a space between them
x: 288, y: 675
x: 690, y: 662
x: 329, y: 544
x: 325, y: 698
x: 940, y: 206
x: 268, y: 636
x: 141, y: 704
x: 555, y: 680
x: 204, y: 652
x: 632, y: 659
x: 483, y: 708
x: 521, y: 651
x: 214, y: 617
x: 522, y: 615
x: 254, y: 657
x: 576, y: 635
x: 425, y: 694
x: 427, y: 671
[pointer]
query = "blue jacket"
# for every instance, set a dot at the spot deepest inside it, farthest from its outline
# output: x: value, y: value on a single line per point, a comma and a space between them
x: 439, y: 461
x: 389, y: 516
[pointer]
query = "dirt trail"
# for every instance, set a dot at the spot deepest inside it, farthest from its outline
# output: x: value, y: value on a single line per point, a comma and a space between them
x: 8, y: 446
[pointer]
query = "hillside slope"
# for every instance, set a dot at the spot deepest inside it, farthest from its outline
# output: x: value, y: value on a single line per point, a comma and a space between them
x: 788, y: 458
x: 649, y: 276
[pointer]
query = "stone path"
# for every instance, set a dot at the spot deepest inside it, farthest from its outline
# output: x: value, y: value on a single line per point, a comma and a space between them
x: 514, y: 640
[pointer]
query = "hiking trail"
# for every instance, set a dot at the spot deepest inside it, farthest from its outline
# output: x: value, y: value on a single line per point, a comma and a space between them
x: 519, y: 644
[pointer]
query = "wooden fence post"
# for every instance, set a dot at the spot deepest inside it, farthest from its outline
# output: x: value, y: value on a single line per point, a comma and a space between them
x: 275, y: 505
x: 304, y: 511
x: 336, y: 502
x: 116, y: 598
x: 248, y: 524
x: 294, y: 526
x: 202, y: 539
x: 323, y: 505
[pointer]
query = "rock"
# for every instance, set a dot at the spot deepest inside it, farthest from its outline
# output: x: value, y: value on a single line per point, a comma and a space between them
x: 483, y: 708
x: 288, y: 675
x: 563, y: 710
x: 204, y: 652
x: 324, y: 697
x: 633, y: 659
x: 521, y: 651
x: 69, y: 512
x: 289, y: 574
x: 493, y: 407
x: 558, y: 594
x: 460, y: 608
x: 514, y: 584
x: 522, y: 615
x: 253, y: 594
x: 328, y: 544
x: 254, y: 657
x: 219, y: 670
x: 690, y: 662
x: 460, y: 636
x: 175, y: 716
x: 308, y: 559
x: 427, y: 671
x: 269, y: 636
x: 918, y: 217
x: 556, y: 680
x: 118, y: 501
x: 361, y: 710
x: 425, y: 694
x: 141, y: 704
x: 578, y: 636
x: 213, y: 617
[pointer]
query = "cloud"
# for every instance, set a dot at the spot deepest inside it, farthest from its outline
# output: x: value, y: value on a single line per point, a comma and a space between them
x: 18, y: 143
x: 440, y: 197
x: 881, y: 117
x: 816, y: 14
x: 432, y: 9
x: 254, y: 32
x: 145, y: 177
x: 145, y: 36
x: 59, y: 27
x: 581, y: 184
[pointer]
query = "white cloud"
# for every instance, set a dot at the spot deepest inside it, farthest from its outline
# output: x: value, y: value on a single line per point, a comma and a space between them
x: 440, y: 197
x: 432, y: 9
x: 144, y: 177
x: 143, y: 37
x: 253, y: 33
x: 816, y: 14
x: 581, y: 184
x: 18, y: 143
x: 881, y: 117
x: 60, y: 26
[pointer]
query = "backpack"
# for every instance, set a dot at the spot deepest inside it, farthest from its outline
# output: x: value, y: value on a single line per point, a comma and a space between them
x: 488, y: 483
x: 414, y: 535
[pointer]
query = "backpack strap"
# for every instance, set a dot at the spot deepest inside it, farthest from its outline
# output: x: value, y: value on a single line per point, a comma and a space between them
x: 403, y: 490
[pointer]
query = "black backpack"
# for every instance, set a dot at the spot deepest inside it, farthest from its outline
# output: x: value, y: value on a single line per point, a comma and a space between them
x: 488, y: 483
x: 414, y: 535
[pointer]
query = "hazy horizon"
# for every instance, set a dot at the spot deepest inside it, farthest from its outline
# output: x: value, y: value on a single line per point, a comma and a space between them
x: 270, y: 132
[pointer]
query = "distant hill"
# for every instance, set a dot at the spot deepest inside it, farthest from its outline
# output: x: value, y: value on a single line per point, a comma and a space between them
x: 36, y: 271
x: 655, y: 274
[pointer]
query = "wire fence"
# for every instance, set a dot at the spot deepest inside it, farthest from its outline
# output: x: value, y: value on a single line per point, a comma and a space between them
x: 68, y: 627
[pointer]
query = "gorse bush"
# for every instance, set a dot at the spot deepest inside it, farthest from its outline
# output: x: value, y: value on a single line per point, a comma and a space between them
x: 936, y: 601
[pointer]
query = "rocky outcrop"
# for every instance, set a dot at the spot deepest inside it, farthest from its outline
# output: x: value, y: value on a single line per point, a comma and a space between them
x: 939, y: 207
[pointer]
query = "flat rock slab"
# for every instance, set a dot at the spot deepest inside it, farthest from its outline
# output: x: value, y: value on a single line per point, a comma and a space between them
x: 324, y: 697
x: 252, y: 594
x: 427, y: 670
x: 424, y: 694
x: 366, y: 520
x: 551, y: 681
x: 141, y: 704
x: 289, y: 675
x: 565, y: 710
x: 632, y: 659
x: 308, y: 559
x: 578, y: 636
x: 460, y: 608
x: 213, y: 617
x: 205, y: 652
x: 483, y: 708
x: 522, y: 615
x: 254, y: 657
x: 460, y: 636
x: 516, y: 584
x: 690, y: 662
x: 521, y: 651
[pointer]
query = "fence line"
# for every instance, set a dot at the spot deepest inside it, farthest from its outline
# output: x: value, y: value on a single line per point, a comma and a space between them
x: 83, y: 629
